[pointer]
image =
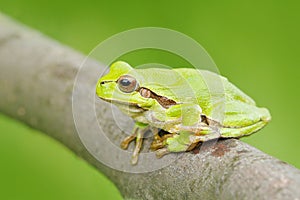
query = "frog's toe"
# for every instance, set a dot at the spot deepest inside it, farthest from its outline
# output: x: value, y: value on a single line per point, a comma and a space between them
x: 134, y: 159
x: 161, y: 152
x: 136, y: 152
x: 125, y: 143
x: 156, y: 145
x: 137, y: 149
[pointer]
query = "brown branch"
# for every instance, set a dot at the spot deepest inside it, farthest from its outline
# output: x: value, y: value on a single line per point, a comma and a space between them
x: 36, y: 81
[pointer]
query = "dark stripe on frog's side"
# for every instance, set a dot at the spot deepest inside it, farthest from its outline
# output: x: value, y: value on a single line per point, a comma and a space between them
x: 163, y: 101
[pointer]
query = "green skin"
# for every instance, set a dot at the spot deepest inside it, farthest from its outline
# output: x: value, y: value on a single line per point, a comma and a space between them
x: 190, y: 117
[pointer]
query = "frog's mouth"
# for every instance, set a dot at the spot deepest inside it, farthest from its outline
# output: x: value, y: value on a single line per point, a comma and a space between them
x: 125, y: 105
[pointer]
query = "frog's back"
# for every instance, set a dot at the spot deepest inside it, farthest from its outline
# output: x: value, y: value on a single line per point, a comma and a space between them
x: 203, y: 80
x: 211, y: 89
x: 192, y: 85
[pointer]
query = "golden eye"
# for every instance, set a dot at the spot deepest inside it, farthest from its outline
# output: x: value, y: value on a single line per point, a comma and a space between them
x: 127, y: 84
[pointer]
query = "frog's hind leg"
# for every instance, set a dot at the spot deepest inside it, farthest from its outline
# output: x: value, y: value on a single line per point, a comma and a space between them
x: 243, y: 131
x: 247, y: 119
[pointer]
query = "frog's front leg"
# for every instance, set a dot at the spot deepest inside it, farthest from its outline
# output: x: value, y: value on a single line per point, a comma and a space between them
x: 188, y: 113
x: 138, y: 133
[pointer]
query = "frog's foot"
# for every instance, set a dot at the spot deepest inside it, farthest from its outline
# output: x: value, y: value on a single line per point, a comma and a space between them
x: 138, y: 133
x: 155, y: 145
x: 159, y: 142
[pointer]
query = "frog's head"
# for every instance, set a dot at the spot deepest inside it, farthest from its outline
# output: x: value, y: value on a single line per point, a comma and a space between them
x: 121, y: 86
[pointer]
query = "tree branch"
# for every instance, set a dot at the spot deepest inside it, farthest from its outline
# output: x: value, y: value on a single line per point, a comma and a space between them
x: 36, y: 82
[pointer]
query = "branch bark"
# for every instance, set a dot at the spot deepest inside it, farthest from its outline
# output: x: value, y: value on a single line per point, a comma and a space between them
x: 36, y: 82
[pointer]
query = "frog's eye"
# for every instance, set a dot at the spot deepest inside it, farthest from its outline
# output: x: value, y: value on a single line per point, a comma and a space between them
x: 127, y: 83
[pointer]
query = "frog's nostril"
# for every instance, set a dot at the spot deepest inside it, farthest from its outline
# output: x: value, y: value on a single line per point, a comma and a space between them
x: 102, y: 83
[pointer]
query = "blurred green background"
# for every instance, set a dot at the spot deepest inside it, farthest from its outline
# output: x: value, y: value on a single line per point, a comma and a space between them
x: 255, y: 44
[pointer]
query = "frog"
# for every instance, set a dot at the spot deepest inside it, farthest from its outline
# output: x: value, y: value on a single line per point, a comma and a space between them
x: 191, y: 105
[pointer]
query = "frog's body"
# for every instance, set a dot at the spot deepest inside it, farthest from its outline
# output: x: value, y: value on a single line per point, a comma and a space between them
x: 193, y: 105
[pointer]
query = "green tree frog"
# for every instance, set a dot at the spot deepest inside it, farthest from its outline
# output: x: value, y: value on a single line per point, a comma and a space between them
x: 181, y: 102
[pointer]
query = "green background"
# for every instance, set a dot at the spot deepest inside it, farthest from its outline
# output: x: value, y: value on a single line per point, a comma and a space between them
x: 255, y: 44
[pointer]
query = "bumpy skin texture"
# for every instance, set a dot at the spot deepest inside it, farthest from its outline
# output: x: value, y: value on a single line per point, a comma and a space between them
x: 193, y: 105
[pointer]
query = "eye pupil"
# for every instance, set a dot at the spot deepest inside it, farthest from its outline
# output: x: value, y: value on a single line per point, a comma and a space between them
x: 125, y: 82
